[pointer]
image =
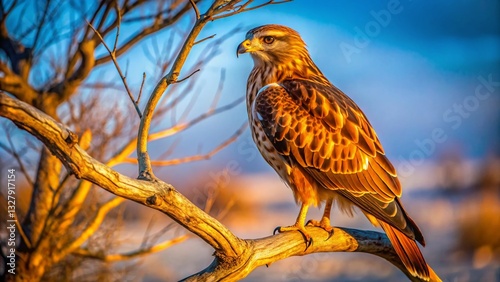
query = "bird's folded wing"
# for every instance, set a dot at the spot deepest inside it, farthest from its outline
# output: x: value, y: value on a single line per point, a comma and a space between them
x: 322, y: 130
x: 319, y: 127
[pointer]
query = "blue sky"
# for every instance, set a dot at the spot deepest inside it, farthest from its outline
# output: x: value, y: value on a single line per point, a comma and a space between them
x: 414, y: 72
x: 412, y: 66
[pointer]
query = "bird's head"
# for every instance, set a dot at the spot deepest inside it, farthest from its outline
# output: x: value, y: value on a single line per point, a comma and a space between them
x: 275, y: 44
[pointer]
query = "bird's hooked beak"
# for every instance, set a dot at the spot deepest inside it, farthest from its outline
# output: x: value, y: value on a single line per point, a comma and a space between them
x: 246, y: 47
x: 242, y: 48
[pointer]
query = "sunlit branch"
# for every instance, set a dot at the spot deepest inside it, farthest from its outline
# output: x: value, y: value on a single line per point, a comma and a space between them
x: 206, y: 156
x: 130, y: 255
x: 101, y: 85
x: 183, y: 126
x: 126, y: 150
x: 145, y: 170
x: 235, y: 258
x: 14, y: 84
x: 93, y: 225
x: 20, y: 229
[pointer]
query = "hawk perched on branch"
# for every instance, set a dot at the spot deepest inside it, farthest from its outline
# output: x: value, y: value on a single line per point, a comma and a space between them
x: 320, y: 142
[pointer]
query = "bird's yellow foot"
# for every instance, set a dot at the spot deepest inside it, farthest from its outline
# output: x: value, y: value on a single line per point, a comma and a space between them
x: 307, y: 238
x: 323, y: 223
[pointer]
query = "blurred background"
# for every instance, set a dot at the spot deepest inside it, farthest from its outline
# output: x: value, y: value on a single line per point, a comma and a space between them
x: 427, y: 75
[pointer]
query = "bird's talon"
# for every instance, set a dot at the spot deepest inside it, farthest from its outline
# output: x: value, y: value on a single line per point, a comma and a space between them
x: 307, y: 238
x: 277, y: 229
x: 324, y: 224
x: 330, y: 234
x: 309, y: 243
x: 312, y: 222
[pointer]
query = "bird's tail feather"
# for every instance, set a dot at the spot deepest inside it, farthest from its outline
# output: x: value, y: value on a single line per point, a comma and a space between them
x: 408, y: 252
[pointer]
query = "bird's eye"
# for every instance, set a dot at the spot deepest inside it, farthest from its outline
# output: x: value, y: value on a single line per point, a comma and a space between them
x: 268, y: 39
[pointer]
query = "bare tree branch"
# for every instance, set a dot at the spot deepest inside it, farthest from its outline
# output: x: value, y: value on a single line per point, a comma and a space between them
x: 155, y: 194
x: 204, y: 39
x: 13, y: 83
x: 133, y: 254
x: 92, y: 226
x: 218, y: 7
x: 236, y: 9
x: 234, y: 257
x: 112, y: 54
x: 196, y: 11
x: 154, y: 27
x: 140, y: 89
x: 198, y: 157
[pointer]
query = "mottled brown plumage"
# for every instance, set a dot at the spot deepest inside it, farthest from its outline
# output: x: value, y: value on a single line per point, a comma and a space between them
x: 321, y: 143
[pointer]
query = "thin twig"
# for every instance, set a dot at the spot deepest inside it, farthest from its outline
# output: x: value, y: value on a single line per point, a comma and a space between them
x: 147, y: 17
x: 182, y: 79
x: 145, y: 169
x: 142, y: 87
x: 115, y: 62
x: 133, y: 254
x: 196, y: 11
x: 204, y: 39
x: 119, y: 19
x: 21, y: 231
x: 243, y: 8
x: 39, y: 28
x: 94, y: 223
x: 206, y: 156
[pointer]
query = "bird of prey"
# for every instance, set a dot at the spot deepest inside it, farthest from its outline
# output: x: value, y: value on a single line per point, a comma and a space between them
x: 321, y: 143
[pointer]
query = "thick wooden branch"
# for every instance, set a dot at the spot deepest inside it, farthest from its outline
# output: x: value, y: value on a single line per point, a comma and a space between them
x: 155, y: 194
x: 235, y: 258
x: 16, y: 85
x: 270, y: 249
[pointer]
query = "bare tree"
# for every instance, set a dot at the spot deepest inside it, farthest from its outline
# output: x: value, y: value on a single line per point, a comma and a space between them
x: 65, y: 215
x: 46, y: 96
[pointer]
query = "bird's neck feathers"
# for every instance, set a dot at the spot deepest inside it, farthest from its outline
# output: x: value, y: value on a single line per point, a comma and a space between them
x: 299, y: 66
x: 266, y: 72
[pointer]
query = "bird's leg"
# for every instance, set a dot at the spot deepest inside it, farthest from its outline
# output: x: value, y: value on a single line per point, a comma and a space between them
x: 325, y: 220
x: 298, y: 226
